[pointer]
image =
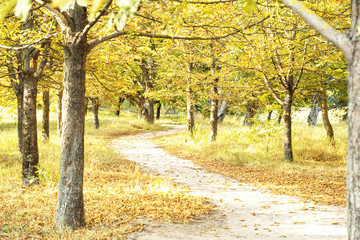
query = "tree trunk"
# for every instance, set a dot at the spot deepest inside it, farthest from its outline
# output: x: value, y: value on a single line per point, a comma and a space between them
x: 121, y: 100
x: 17, y: 84
x: 325, y: 115
x: 30, y: 147
x: 314, y: 112
x: 158, y: 110
x: 149, y: 111
x: 20, y: 111
x: 214, y: 111
x: 30, y: 155
x: 280, y: 116
x: 222, y: 111
x: 70, y: 206
x: 353, y: 155
x: 95, y: 110
x: 86, y: 105
x: 167, y: 111
x: 288, y: 154
x: 269, y: 115
x: 140, y: 112
x: 190, y: 110
x: 59, y: 107
x: 349, y: 43
x: 250, y: 114
x: 46, y: 114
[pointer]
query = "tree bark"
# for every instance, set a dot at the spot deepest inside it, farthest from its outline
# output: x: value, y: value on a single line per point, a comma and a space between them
x: 314, y: 112
x: 46, y: 114
x: 158, y: 111
x: 280, y: 114
x: 140, y: 112
x: 20, y: 111
x: 269, y: 115
x: 325, y: 115
x: 214, y: 111
x: 95, y: 110
x: 30, y: 155
x: 86, y: 105
x: 251, y: 110
x: 149, y: 111
x: 288, y: 154
x: 59, y: 106
x: 70, y: 206
x: 121, y: 100
x: 30, y: 147
x: 222, y: 111
x: 349, y: 44
x: 190, y: 110
x: 17, y: 84
x: 353, y: 143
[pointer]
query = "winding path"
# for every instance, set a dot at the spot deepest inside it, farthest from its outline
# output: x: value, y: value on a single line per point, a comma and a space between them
x: 242, y: 211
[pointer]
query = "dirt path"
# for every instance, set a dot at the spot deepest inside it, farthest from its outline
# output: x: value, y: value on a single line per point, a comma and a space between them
x: 243, y: 211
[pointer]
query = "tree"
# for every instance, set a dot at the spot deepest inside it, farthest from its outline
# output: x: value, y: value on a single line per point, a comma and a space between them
x: 214, y: 110
x: 45, y: 133
x: 349, y: 44
x: 95, y: 110
x: 24, y: 74
x: 324, y: 113
x: 314, y: 111
x: 282, y: 68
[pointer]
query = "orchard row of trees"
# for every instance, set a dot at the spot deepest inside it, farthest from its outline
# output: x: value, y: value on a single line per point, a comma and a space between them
x: 188, y: 54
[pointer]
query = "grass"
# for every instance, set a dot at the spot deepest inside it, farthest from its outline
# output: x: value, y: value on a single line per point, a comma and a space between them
x: 255, y: 155
x: 116, y: 193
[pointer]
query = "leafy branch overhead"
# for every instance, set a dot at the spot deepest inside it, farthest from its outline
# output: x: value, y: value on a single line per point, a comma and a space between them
x: 23, y: 7
x: 127, y: 8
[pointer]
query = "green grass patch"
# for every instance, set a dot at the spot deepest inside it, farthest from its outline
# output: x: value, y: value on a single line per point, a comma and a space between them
x: 255, y: 155
x: 116, y: 193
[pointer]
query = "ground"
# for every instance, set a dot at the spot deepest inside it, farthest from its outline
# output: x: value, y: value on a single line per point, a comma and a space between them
x: 242, y: 211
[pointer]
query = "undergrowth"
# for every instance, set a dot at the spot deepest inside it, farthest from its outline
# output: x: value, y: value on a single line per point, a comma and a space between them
x: 116, y: 193
x: 255, y: 155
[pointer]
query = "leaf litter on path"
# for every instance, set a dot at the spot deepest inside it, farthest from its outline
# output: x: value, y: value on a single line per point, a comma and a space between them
x: 242, y: 212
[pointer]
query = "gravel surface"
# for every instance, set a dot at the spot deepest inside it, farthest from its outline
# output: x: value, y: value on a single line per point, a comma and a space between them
x: 242, y: 211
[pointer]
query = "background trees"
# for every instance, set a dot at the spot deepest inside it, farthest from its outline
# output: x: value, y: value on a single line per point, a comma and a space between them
x: 188, y: 54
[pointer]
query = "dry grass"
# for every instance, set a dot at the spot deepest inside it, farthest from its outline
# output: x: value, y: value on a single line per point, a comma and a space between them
x: 254, y: 155
x: 115, y: 192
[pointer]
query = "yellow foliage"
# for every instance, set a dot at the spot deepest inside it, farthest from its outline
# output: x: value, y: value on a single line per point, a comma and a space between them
x: 116, y: 194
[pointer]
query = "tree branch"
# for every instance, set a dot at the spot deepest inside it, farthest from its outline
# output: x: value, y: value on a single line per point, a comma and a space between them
x: 43, y: 61
x: 106, y: 88
x: 204, y: 2
x: 97, y: 18
x: 298, y: 79
x: 97, y: 41
x: 30, y: 45
x: 280, y: 77
x: 340, y: 40
x: 149, y: 18
x: 273, y: 93
x: 59, y: 17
